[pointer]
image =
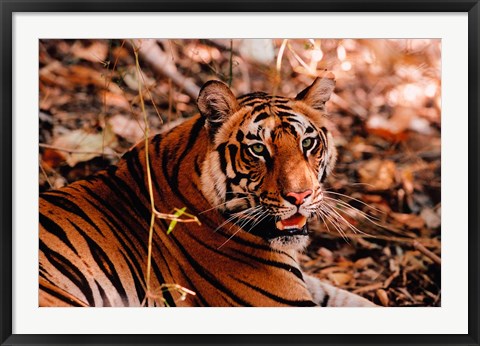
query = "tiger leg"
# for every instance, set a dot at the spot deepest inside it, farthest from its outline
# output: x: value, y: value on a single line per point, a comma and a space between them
x: 327, y: 295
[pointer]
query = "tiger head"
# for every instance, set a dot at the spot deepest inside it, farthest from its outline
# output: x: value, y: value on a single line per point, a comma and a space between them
x: 267, y: 159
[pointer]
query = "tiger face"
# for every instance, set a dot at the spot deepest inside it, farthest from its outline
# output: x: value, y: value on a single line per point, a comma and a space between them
x: 268, y: 158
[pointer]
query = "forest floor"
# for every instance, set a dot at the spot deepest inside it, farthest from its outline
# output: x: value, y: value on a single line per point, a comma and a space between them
x: 385, y: 115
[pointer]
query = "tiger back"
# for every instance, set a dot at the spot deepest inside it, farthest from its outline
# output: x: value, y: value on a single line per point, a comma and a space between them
x: 251, y: 169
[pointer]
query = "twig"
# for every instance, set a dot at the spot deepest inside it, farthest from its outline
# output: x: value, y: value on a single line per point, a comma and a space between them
x: 280, y: 55
x: 151, y: 53
x: 419, y: 246
x: 45, y: 174
x: 230, y: 77
x: 73, y: 151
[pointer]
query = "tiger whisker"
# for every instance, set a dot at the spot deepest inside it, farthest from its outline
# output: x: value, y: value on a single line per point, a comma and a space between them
x: 261, y: 217
x: 328, y: 216
x: 226, y: 241
x: 370, y: 218
x: 356, y: 200
x: 320, y: 215
x: 239, y: 216
x: 252, y: 214
x: 219, y: 205
x: 341, y: 218
x: 231, y: 218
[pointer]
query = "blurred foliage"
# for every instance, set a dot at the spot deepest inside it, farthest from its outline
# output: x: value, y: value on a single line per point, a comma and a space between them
x: 385, y: 115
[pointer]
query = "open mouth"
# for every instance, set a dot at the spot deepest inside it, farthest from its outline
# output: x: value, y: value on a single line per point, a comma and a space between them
x: 296, y: 221
x: 268, y: 228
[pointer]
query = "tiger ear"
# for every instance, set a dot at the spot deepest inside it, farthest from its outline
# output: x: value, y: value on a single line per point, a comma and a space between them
x: 216, y: 103
x: 318, y: 92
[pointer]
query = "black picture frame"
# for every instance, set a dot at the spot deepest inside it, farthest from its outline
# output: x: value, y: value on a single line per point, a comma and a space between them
x: 9, y: 7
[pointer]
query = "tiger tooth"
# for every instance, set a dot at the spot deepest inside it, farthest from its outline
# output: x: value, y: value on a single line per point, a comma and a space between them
x: 294, y: 222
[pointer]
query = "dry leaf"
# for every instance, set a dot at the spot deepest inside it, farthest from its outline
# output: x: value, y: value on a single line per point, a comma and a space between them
x: 260, y: 51
x: 382, y: 296
x: 123, y: 126
x: 84, y: 146
x: 432, y: 219
x: 363, y: 262
x: 96, y: 51
x: 115, y: 100
x: 410, y: 220
x: 377, y: 174
x: 340, y: 278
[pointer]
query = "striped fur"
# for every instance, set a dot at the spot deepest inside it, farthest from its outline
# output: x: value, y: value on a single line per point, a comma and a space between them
x: 94, y: 233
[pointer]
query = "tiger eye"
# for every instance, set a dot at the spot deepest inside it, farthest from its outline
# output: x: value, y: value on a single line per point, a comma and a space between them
x: 258, y: 148
x: 307, y: 143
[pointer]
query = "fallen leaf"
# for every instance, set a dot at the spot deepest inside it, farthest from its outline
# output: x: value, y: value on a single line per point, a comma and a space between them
x: 114, y: 99
x: 377, y: 174
x: 432, y: 219
x: 261, y: 51
x: 94, y: 51
x: 79, y: 145
x: 123, y: 126
x: 410, y: 220
x: 363, y: 262
x: 382, y: 296
x: 325, y: 253
x: 340, y: 278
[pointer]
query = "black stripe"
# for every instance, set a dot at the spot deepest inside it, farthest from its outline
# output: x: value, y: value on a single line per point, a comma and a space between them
x: 58, y: 192
x: 138, y: 210
x: 258, y: 108
x: 240, y: 136
x: 172, y: 179
x: 63, y: 265
x: 208, y: 276
x: 253, y: 136
x: 104, y: 263
x: 217, y: 251
x: 192, y: 138
x: 252, y: 97
x: 117, y: 215
x: 232, y: 148
x: 129, y: 258
x: 286, y: 114
x: 184, y: 273
x: 51, y: 227
x: 106, y: 301
x: 280, y: 100
x: 116, y: 231
x: 197, y: 168
x: 284, y: 108
x: 325, y: 300
x: 135, y: 168
x: 295, y: 271
x: 261, y: 116
x: 156, y: 141
x: 292, y: 119
x: 301, y: 303
x: 59, y: 296
x: 258, y: 246
x: 289, y: 127
x: 66, y: 204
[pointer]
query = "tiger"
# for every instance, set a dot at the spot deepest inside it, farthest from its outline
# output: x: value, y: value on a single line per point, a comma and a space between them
x: 251, y: 169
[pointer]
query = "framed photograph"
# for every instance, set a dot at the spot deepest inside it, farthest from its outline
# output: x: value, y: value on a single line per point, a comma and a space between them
x: 199, y: 173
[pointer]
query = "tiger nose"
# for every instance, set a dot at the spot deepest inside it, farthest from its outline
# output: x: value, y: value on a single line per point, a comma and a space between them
x: 298, y: 198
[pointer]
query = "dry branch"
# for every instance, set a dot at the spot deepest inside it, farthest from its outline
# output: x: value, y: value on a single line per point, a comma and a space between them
x: 162, y: 63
